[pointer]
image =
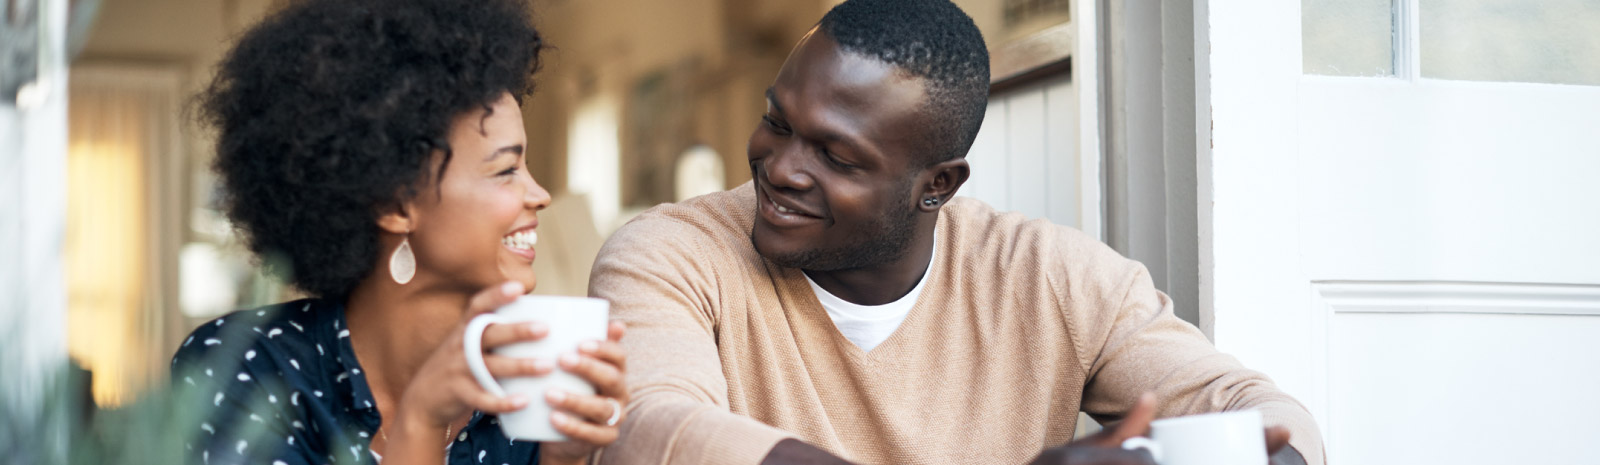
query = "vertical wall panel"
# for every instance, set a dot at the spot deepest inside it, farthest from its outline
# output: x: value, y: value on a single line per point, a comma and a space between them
x: 1025, y: 157
x: 1061, y: 153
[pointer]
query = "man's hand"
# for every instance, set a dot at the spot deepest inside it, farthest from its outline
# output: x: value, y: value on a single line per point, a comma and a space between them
x: 1105, y: 447
x: 1278, y: 450
x: 1102, y: 448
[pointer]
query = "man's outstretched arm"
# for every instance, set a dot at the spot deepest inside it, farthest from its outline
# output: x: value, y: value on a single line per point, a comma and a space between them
x: 1131, y: 343
x: 657, y: 273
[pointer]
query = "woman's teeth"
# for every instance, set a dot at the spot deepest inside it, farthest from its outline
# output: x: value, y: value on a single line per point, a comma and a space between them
x: 521, y: 240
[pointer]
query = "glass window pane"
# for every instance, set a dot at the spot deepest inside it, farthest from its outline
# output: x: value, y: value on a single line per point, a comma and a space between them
x: 1551, y: 41
x: 1347, y: 37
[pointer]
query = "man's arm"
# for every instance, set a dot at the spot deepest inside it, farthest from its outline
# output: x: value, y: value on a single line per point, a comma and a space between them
x: 660, y: 276
x: 1131, y: 342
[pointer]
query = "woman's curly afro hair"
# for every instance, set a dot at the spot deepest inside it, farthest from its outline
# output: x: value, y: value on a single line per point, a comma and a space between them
x: 329, y: 112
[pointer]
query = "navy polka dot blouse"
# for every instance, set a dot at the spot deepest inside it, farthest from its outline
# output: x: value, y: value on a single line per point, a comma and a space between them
x: 280, y: 385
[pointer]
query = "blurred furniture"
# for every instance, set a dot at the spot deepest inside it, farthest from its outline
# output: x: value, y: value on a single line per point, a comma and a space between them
x: 568, y: 243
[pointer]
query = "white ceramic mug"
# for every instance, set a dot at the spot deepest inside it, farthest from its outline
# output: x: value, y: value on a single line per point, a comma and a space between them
x: 572, y: 321
x: 1227, y: 438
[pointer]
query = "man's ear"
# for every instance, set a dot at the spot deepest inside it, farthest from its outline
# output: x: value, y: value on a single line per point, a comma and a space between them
x: 944, y: 179
x: 397, y: 219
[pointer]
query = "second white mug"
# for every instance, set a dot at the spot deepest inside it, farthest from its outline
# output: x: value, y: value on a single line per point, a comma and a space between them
x: 1227, y: 438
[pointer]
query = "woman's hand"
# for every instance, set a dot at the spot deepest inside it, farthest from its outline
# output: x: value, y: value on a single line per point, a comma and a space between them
x: 590, y: 421
x: 443, y: 390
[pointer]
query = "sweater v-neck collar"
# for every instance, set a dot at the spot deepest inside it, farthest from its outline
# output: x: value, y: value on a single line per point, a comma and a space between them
x: 796, y: 291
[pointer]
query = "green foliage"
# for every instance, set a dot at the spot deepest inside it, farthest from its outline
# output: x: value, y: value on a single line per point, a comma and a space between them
x: 52, y: 424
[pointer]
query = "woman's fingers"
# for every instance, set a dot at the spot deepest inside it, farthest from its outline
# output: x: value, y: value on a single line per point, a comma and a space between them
x: 502, y: 367
x: 500, y: 334
x: 479, y: 399
x: 606, y: 351
x: 606, y: 378
x: 594, y: 409
x: 493, y: 298
x: 578, y: 430
x: 615, y: 330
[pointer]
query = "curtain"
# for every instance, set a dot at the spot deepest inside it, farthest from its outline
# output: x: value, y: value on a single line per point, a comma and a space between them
x: 124, y: 172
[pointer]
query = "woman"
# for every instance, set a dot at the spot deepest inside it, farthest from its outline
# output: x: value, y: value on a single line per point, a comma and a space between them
x: 372, y: 152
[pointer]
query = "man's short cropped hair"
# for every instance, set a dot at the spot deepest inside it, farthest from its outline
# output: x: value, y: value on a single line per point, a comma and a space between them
x: 930, y: 39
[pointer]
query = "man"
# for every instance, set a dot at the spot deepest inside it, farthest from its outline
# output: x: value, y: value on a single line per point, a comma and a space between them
x: 845, y: 306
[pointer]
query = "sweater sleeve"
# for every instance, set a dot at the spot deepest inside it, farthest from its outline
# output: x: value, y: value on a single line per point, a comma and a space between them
x: 660, y: 275
x: 1131, y: 342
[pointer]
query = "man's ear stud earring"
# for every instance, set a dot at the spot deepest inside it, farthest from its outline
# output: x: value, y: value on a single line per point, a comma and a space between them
x: 930, y: 201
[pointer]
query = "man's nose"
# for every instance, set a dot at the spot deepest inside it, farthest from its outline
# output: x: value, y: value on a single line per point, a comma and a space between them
x: 788, y: 168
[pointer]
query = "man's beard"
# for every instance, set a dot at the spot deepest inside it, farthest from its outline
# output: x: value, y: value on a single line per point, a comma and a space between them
x: 888, y: 239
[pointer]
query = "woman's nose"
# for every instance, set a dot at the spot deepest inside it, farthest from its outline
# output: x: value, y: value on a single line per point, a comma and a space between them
x: 535, y: 197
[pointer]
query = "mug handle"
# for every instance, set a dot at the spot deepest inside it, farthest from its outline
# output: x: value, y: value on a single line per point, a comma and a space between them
x: 472, y: 342
x: 1141, y: 442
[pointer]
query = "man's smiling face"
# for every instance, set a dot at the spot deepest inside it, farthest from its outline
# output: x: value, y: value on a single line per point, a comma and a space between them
x: 835, y: 157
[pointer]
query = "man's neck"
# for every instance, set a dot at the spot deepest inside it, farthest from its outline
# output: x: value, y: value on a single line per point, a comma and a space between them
x: 885, y: 283
x: 394, y: 328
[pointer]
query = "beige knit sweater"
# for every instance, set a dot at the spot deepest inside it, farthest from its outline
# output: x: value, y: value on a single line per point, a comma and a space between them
x: 1022, y: 324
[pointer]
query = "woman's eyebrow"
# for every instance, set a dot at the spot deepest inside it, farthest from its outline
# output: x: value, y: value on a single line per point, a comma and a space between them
x: 511, y: 149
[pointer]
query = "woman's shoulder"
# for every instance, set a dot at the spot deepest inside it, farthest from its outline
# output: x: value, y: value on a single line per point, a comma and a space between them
x: 261, y: 339
x: 267, y: 384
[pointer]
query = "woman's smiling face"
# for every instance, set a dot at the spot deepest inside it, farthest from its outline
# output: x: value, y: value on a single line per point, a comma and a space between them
x: 474, y: 227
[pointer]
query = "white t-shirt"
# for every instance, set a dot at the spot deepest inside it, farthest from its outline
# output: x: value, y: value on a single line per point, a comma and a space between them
x: 869, y: 325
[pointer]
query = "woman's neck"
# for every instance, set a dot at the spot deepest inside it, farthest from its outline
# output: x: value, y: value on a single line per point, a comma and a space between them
x: 394, y: 328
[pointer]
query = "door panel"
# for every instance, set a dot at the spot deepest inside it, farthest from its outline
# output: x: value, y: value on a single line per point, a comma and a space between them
x: 1451, y: 181
x: 1443, y: 388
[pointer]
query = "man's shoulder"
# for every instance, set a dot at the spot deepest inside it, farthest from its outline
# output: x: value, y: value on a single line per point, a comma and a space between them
x: 1008, y: 241
x: 1013, y: 234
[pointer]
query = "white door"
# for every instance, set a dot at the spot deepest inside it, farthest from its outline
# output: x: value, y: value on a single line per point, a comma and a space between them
x: 1400, y: 216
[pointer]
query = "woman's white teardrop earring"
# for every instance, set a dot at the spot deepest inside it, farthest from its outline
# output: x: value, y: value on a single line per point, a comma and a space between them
x: 403, y: 263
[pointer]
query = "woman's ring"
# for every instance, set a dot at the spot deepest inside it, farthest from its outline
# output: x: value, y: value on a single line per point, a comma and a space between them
x: 616, y: 412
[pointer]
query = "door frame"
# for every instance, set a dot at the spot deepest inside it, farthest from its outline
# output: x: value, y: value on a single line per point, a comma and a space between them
x: 1155, y: 126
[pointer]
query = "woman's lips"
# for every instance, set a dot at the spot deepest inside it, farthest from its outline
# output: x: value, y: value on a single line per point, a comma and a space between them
x: 521, y: 243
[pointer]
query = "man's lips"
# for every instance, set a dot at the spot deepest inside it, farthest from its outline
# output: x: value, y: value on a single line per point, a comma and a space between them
x: 785, y: 205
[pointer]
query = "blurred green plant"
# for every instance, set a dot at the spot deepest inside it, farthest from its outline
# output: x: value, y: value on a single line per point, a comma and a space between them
x: 57, y: 423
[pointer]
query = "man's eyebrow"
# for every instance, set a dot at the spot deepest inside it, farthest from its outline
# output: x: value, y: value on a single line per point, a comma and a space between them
x: 823, y: 136
x: 772, y: 98
x: 511, y: 149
